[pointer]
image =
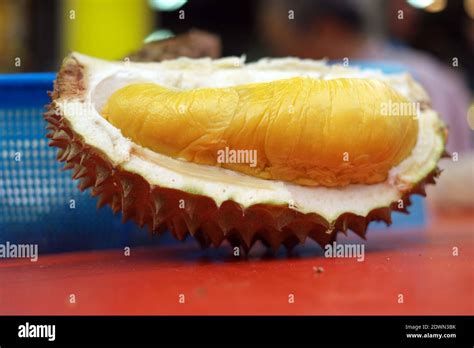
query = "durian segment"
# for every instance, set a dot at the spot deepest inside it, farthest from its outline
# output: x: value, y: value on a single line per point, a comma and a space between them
x: 303, y: 130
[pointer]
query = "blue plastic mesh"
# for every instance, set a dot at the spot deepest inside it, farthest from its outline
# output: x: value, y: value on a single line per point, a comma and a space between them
x: 39, y: 202
x: 36, y: 195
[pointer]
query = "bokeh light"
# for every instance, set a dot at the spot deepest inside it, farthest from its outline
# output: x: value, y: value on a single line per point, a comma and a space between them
x: 420, y: 3
x: 167, y: 5
x: 469, y: 7
x: 470, y: 116
x: 436, y: 6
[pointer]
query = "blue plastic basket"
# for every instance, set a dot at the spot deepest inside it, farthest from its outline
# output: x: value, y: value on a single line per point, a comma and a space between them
x: 39, y: 202
x: 36, y: 195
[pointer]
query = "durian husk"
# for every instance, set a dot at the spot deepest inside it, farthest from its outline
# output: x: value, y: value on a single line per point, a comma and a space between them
x: 158, y: 207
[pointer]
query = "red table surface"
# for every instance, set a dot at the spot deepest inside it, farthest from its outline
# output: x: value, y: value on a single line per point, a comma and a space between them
x: 418, y: 264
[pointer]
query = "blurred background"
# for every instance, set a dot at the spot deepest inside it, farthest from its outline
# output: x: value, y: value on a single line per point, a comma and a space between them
x: 432, y: 39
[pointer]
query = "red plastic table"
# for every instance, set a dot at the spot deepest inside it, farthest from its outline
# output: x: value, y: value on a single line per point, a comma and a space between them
x: 417, y: 264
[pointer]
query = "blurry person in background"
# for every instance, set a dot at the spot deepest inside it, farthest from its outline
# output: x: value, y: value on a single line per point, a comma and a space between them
x: 192, y: 44
x: 335, y: 30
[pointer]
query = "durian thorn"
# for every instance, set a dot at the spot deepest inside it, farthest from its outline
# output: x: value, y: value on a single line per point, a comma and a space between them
x: 420, y: 189
x: 53, y: 120
x: 52, y: 128
x: 58, y: 143
x: 116, y: 203
x: 127, y: 214
x: 203, y: 239
x: 79, y: 172
x: 67, y: 166
x: 85, y: 183
x: 193, y: 227
x: 74, y: 151
x: 102, y: 174
x: 84, y: 157
x: 61, y: 135
x: 103, y: 200
x: 330, y: 229
x: 247, y: 236
x: 177, y: 228
x: 158, y: 220
x: 127, y: 187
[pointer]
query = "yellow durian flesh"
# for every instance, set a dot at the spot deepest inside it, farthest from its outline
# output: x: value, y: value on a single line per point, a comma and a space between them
x: 304, y: 130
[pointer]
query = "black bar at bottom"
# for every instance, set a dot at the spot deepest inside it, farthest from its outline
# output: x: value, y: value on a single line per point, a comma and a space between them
x: 348, y: 330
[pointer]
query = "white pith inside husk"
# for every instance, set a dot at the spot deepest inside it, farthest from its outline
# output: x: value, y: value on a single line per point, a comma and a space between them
x: 103, y: 78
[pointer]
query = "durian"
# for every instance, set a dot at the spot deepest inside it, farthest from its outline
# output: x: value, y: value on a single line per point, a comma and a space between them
x: 331, y: 152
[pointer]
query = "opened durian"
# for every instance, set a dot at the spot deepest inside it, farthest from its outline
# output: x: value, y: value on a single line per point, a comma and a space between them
x: 278, y: 150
